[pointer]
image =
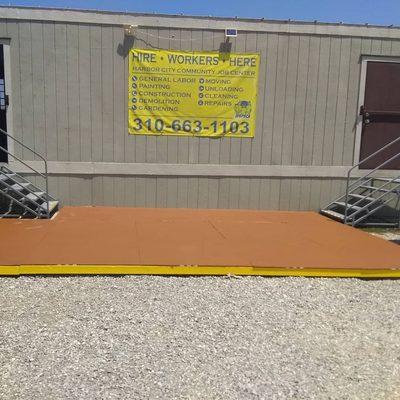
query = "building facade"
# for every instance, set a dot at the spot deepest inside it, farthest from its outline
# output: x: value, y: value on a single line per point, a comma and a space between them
x: 66, y: 74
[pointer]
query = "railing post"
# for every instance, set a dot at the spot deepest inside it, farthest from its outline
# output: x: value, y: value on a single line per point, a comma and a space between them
x: 47, y: 189
x: 347, y: 197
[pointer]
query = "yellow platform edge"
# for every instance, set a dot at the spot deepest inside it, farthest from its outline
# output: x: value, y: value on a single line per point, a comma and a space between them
x: 17, y: 270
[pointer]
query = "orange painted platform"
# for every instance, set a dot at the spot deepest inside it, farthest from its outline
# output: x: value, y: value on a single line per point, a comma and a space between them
x: 91, y: 240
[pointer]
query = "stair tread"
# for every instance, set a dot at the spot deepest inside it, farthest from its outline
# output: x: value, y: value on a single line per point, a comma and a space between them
x: 4, y: 177
x: 387, y: 179
x: 374, y: 188
x: 334, y: 214
x: 341, y: 203
x: 360, y: 196
x: 34, y: 196
x: 19, y: 186
x: 52, y: 205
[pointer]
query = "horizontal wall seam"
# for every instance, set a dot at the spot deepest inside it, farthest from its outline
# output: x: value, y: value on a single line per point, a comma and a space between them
x: 204, y: 170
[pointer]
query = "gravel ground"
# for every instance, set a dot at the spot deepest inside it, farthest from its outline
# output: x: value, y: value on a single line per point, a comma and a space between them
x: 199, y: 338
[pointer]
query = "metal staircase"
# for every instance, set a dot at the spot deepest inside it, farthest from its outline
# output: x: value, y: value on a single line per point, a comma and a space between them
x: 25, y: 200
x: 367, y: 195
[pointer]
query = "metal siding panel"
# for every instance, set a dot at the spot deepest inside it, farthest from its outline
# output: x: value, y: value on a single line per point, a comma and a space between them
x: 315, y: 195
x: 108, y: 190
x: 15, y: 95
x: 342, y: 99
x: 376, y: 46
x: 172, y: 191
x: 244, y: 193
x: 274, y: 193
x: 63, y: 190
x: 280, y: 100
x: 271, y: 74
x: 27, y: 116
x: 223, y: 193
x: 260, y: 43
x: 246, y: 143
x: 213, y: 188
x: 335, y: 189
x: 325, y: 193
x: 234, y: 190
x: 182, y: 195
x: 3, y: 28
x: 96, y: 93
x: 151, y: 191
x: 85, y: 123
x: 50, y: 90
x: 311, y: 101
x: 119, y: 191
x: 80, y: 191
x: 193, y: 192
x: 53, y: 187
x: 332, y: 101
x: 264, y: 195
x: 295, y: 193
x: 202, y: 200
x: 38, y: 130
x: 366, y: 46
x: 62, y: 92
x: 386, y: 47
x: 73, y: 99
x: 130, y: 190
x: 161, y: 194
x: 290, y: 100
x: 304, y: 197
x: 284, y: 196
x: 352, y: 101
x: 254, y: 193
x: 301, y: 100
x: 97, y: 190
x: 395, y: 48
x: 107, y: 88
x: 140, y: 191
x: 321, y: 106
x: 120, y: 88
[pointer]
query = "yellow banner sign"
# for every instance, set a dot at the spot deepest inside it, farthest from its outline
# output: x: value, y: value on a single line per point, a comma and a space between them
x: 192, y: 93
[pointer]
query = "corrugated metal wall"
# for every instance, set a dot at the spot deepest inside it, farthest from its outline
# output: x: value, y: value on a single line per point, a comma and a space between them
x: 69, y: 94
x: 194, y: 192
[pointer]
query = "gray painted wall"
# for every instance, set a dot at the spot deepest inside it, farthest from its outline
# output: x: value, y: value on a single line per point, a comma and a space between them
x: 69, y: 95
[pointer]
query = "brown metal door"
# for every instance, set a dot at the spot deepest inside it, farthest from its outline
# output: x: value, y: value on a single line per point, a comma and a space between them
x: 381, y: 114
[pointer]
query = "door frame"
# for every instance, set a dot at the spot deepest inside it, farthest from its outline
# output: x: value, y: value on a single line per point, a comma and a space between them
x: 361, y: 98
x: 7, y: 77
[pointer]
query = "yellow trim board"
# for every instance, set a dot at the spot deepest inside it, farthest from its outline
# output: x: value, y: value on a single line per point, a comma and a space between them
x: 16, y: 270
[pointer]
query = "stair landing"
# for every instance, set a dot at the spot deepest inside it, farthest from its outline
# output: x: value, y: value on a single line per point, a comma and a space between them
x: 105, y: 240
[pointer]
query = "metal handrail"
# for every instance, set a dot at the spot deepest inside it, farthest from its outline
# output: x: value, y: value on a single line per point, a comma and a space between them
x: 377, y: 198
x: 353, y: 185
x: 45, y: 175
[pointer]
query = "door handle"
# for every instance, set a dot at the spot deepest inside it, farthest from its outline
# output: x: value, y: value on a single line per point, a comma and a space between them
x: 365, y: 115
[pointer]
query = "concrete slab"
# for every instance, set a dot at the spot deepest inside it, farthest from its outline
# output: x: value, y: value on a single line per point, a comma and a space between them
x: 93, y: 240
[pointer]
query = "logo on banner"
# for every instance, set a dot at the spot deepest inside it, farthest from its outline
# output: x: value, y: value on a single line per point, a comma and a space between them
x: 243, y: 109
